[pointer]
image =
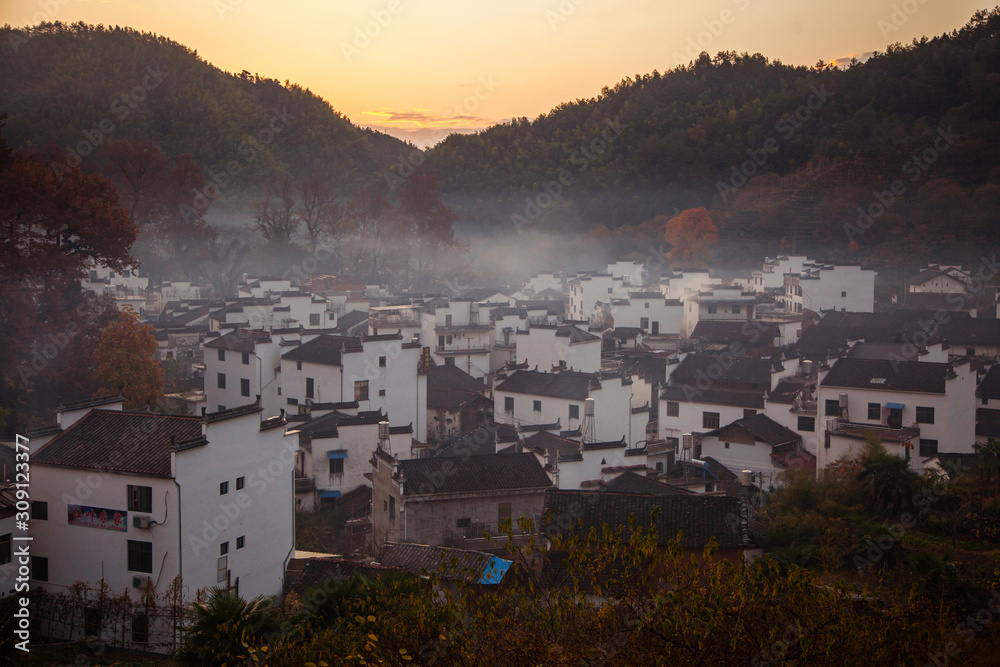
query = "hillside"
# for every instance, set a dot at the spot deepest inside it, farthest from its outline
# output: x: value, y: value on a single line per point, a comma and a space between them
x: 64, y: 80
x: 825, y: 139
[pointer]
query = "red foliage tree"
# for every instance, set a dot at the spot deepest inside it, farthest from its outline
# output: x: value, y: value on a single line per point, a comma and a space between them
x: 692, y: 233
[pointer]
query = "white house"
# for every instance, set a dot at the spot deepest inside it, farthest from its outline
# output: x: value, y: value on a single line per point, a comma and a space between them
x: 585, y: 291
x: 727, y: 303
x: 915, y: 408
x: 771, y: 275
x: 759, y: 444
x: 550, y: 346
x: 832, y: 286
x: 649, y: 311
x: 138, y: 499
x: 240, y: 365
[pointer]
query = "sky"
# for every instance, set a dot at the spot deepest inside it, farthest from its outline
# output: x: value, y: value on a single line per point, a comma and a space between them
x: 421, y: 69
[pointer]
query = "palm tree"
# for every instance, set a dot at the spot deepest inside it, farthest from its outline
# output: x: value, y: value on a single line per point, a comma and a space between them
x: 989, y: 459
x: 227, y: 629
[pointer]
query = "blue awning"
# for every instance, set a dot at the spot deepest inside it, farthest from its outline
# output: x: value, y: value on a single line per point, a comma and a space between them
x: 894, y: 406
x: 494, y: 572
x: 337, y: 454
x: 329, y: 494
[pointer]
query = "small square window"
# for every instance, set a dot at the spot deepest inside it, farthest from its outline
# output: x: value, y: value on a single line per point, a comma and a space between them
x: 508, y: 404
x: 314, y: 319
x: 244, y: 387
x: 832, y: 408
x: 736, y: 310
x: 712, y: 310
x: 222, y: 355
x: 140, y: 556
x: 224, y: 548
x: 382, y: 362
x: 140, y: 498
x: 381, y: 392
x: 807, y: 423
x: 673, y: 408
x: 928, y: 447
x: 748, y: 412
x: 240, y: 482
x: 574, y: 412
x: 925, y: 415
x: 710, y: 420
x: 536, y: 406
x: 298, y: 365
x: 223, y: 488
x: 336, y: 466
x: 361, y: 390
x: 222, y: 381
x: 246, y: 358
x: 727, y: 445
x: 241, y: 541
x: 875, y: 411
x: 463, y: 523
x: 39, y: 510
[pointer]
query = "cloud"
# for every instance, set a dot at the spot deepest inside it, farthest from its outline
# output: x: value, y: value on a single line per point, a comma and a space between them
x: 423, y: 137
x: 845, y: 61
x: 414, y: 119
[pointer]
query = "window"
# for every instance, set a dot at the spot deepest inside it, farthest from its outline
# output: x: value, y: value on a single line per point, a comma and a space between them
x: 736, y: 310
x: 221, y: 569
x: 727, y: 445
x: 40, y: 568
x: 712, y: 310
x: 843, y: 294
x: 140, y: 629
x: 246, y: 358
x: 244, y: 387
x: 659, y: 466
x: 381, y: 392
x: 293, y: 401
x: 222, y: 381
x: 463, y: 523
x: 336, y: 466
x: 240, y: 482
x: 361, y: 390
x: 748, y: 412
x: 221, y: 408
x: 928, y: 447
x: 643, y: 323
x: 223, y: 488
x: 39, y: 510
x: 970, y: 351
x: 314, y: 319
x: 224, y: 548
x: 574, y: 412
x: 807, y: 423
x: 5, y: 549
x: 710, y: 420
x: 986, y: 401
x: 449, y: 361
x: 536, y: 406
x: 298, y: 365
x: 610, y: 290
x: 925, y: 415
x: 508, y: 404
x: 91, y: 622
x: 222, y: 355
x: 140, y: 556
x: 310, y: 388
x: 241, y: 541
x: 673, y: 408
x: 140, y: 498
x: 646, y: 305
x: 503, y: 512
x: 447, y: 320
x: 382, y: 362
x: 832, y: 408
x: 392, y: 508
x: 875, y: 411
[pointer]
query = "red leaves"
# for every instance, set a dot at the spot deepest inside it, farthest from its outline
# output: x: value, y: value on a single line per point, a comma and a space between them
x: 691, y: 233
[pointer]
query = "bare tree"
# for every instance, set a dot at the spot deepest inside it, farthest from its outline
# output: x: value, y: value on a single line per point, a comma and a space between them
x: 318, y: 206
x: 276, y: 217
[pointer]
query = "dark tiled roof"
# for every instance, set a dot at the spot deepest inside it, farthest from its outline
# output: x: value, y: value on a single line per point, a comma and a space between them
x: 786, y: 391
x: 556, y: 385
x: 480, y: 440
x: 495, y: 472
x: 990, y: 385
x: 697, y: 516
x: 762, y: 428
x: 351, y: 319
x: 130, y: 442
x: 631, y: 482
x: 743, y: 370
x: 240, y: 340
x: 449, y: 564
x: 917, y: 376
x: 739, y: 399
x: 938, y: 301
x: 232, y: 413
x: 324, y: 349
x: 750, y: 333
x: 449, y: 388
x: 553, y: 445
x: 95, y: 402
x: 317, y: 572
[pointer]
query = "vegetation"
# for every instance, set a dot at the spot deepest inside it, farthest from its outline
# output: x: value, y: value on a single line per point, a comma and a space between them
x: 126, y: 357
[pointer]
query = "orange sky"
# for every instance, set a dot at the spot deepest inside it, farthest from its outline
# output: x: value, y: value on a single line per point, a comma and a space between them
x: 420, y: 69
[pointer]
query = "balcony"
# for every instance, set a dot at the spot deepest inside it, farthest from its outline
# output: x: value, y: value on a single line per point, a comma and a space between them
x: 461, y: 348
x: 483, y: 533
x: 885, y: 433
x: 393, y: 322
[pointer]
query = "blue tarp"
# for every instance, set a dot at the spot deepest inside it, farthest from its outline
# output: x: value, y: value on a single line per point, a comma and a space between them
x: 337, y: 454
x: 894, y: 406
x: 494, y: 572
x: 329, y: 494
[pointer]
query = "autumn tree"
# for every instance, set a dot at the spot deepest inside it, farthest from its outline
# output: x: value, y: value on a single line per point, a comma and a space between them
x: 52, y: 226
x: 692, y: 233
x: 126, y: 358
x: 427, y: 221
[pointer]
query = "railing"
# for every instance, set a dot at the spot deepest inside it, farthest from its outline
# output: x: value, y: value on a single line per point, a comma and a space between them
x: 860, y: 430
x: 498, y: 531
x: 463, y: 349
x: 393, y: 322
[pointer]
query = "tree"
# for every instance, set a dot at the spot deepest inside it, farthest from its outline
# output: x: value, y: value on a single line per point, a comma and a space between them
x: 370, y: 215
x: 126, y: 357
x: 890, y: 482
x: 228, y: 629
x: 692, y: 233
x: 52, y: 227
x: 989, y: 459
x: 426, y: 219
x: 276, y: 217
x: 139, y: 169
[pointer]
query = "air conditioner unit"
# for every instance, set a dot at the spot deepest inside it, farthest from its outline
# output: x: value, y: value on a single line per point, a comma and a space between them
x: 142, y: 582
x: 139, y: 521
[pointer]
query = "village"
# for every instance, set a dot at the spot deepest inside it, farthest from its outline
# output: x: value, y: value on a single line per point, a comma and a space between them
x: 445, y: 423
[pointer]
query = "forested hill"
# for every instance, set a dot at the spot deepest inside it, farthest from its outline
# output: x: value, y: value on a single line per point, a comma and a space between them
x: 685, y: 130
x: 58, y: 81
